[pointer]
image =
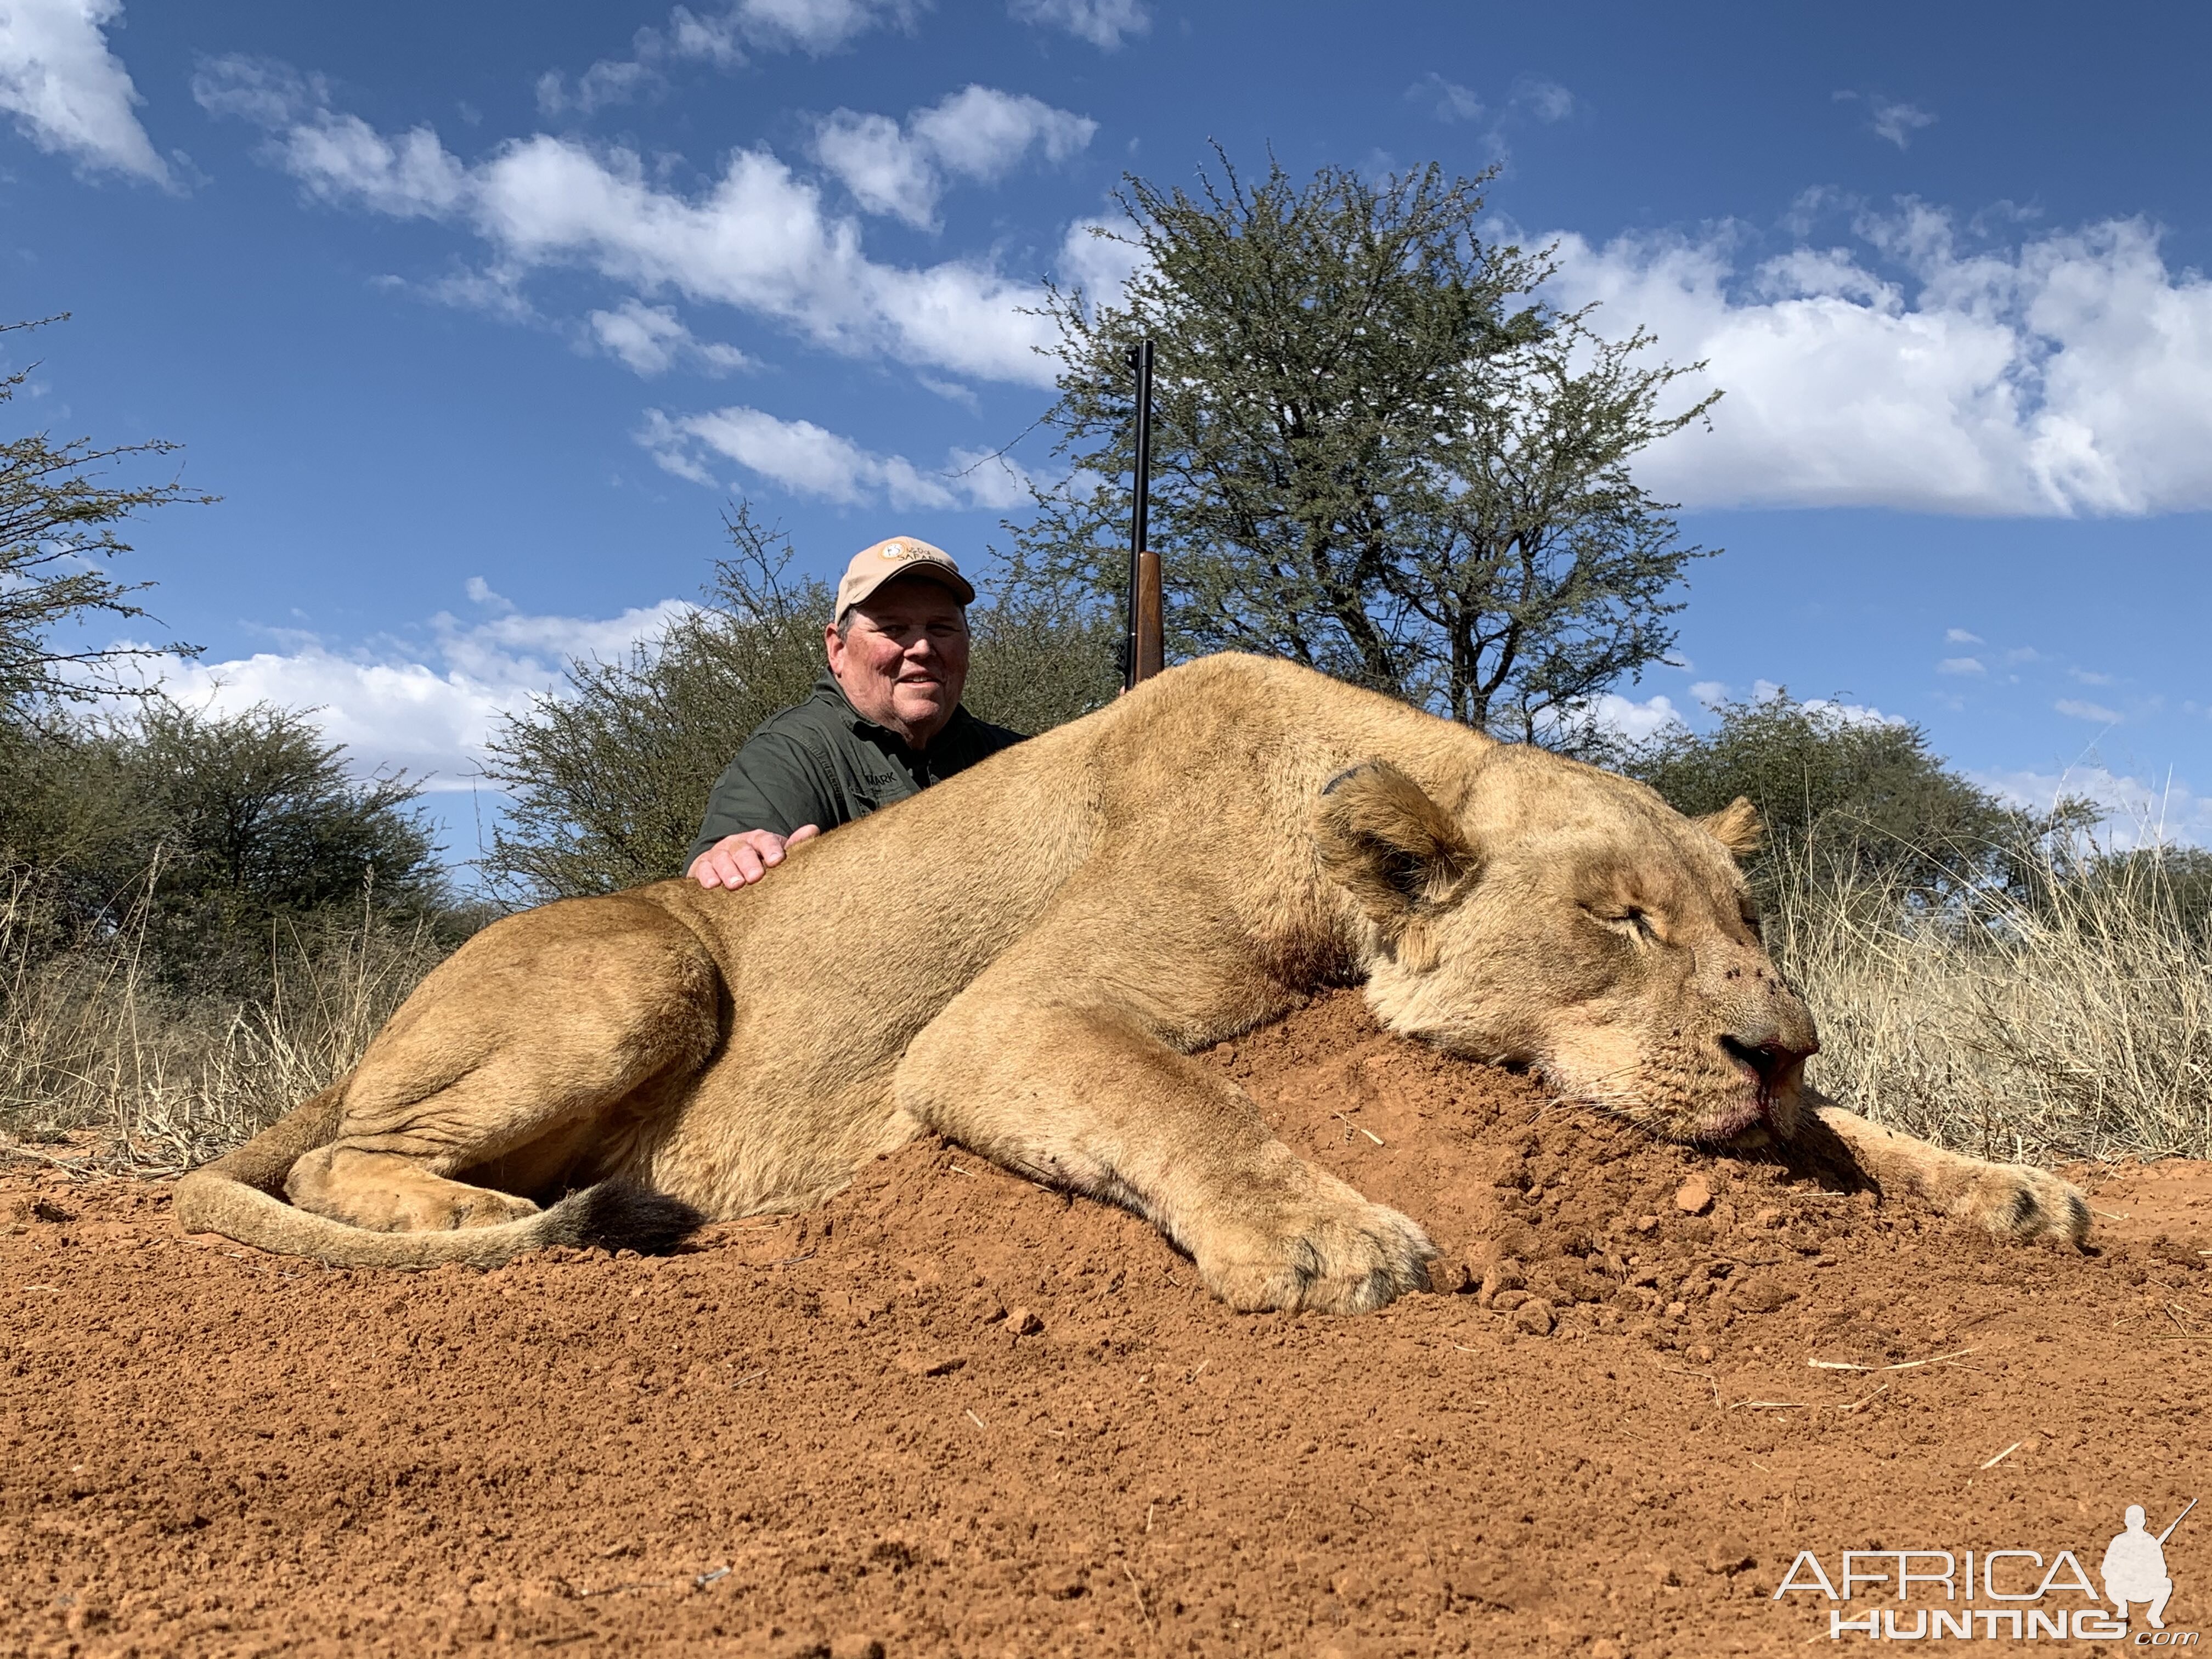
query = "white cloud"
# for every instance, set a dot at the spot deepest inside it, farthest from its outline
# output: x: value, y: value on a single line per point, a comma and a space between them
x: 338, y: 158
x: 1852, y: 713
x: 1960, y: 636
x: 812, y: 460
x: 262, y: 90
x: 984, y: 134
x: 810, y: 26
x: 2075, y: 708
x: 1104, y: 23
x: 1625, y: 718
x: 69, y: 93
x: 2086, y: 678
x: 2072, y: 375
x: 652, y: 340
x: 1548, y: 101
x: 431, y: 712
x: 1897, y: 121
x: 1447, y: 101
x: 2137, y: 813
x: 977, y: 133
x: 1960, y: 666
x: 886, y: 171
x: 610, y: 81
x: 1098, y: 257
x: 342, y: 158
x: 757, y: 238
x: 814, y: 26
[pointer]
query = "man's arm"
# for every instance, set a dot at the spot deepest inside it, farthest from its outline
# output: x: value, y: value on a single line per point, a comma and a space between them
x: 771, y: 796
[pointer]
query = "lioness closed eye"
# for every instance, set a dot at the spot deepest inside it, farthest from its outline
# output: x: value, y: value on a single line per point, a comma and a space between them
x: 1077, y: 914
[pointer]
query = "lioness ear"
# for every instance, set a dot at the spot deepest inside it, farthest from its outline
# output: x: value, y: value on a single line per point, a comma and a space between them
x: 1735, y: 826
x: 1385, y: 839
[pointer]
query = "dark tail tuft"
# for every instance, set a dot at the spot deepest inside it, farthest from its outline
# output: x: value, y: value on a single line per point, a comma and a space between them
x: 621, y: 1215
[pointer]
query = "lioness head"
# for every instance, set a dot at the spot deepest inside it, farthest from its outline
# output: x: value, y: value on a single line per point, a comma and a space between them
x: 1567, y: 919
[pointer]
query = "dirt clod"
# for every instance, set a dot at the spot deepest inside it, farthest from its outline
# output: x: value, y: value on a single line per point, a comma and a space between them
x: 1534, y: 1317
x: 1729, y: 1555
x: 1762, y: 1293
x: 930, y: 1365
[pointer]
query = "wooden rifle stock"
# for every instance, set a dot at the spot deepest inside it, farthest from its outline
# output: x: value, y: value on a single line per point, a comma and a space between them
x: 1150, y: 637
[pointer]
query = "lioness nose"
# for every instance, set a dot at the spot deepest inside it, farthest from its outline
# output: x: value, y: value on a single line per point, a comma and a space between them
x: 1774, y: 1055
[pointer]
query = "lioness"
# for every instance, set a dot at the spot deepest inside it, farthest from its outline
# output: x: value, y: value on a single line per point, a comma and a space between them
x: 1023, y: 958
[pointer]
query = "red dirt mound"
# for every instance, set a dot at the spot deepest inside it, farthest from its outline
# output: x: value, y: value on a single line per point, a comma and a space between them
x: 953, y: 1414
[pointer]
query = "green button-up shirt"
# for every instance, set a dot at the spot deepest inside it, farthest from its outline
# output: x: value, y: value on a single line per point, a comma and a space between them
x: 825, y: 763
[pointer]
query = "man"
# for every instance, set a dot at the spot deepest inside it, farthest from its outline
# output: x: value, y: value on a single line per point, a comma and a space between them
x: 884, y: 722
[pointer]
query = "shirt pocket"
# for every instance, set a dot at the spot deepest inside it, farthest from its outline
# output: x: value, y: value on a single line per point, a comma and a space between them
x: 869, y: 791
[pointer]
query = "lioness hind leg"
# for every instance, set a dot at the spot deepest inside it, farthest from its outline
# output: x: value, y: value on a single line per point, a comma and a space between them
x: 2016, y: 1202
x: 512, y: 1060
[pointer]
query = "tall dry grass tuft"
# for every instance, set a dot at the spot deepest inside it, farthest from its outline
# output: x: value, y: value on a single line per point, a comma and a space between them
x: 2069, y: 1016
x: 91, y: 1039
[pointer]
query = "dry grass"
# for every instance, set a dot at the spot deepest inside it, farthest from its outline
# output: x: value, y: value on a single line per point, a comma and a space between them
x: 2072, y: 1022
x: 91, y: 1040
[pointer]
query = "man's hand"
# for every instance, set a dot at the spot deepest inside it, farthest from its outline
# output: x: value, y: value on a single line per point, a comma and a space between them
x: 741, y: 860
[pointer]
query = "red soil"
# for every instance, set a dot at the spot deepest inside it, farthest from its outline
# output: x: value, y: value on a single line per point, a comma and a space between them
x: 953, y: 1414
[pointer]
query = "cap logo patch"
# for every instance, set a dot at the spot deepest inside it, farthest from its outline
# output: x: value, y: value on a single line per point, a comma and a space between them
x: 901, y: 550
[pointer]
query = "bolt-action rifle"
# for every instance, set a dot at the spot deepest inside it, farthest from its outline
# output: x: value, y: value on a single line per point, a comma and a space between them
x: 1144, y: 646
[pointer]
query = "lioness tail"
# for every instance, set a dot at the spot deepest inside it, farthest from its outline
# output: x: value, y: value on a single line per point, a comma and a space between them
x: 238, y: 1196
x: 613, y: 1215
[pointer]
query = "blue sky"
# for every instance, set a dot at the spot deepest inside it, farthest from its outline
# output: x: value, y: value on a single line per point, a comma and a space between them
x: 476, y: 314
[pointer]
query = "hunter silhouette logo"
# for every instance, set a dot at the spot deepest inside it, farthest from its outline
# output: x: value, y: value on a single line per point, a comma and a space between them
x: 2134, y: 1568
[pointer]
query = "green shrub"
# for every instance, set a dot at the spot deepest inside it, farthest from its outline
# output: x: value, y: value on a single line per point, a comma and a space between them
x: 215, y: 838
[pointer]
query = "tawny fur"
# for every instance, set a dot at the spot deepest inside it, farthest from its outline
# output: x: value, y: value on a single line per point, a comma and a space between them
x: 1022, y: 958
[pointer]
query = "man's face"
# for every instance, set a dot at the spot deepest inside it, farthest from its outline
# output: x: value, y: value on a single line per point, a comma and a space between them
x: 903, y: 660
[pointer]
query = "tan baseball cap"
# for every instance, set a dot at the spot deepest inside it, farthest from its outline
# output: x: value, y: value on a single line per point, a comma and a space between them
x: 899, y: 555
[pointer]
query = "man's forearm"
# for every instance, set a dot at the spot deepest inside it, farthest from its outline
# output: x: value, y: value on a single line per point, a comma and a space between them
x: 770, y: 786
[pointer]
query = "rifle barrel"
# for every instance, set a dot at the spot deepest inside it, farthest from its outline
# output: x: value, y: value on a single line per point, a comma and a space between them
x: 1133, y: 650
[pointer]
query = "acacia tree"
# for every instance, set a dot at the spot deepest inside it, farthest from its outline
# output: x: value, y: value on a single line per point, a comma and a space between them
x: 1378, y: 451
x: 58, y: 532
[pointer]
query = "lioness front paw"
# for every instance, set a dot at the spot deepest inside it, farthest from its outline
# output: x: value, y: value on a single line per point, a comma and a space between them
x: 1330, y: 1253
x: 2024, y: 1205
